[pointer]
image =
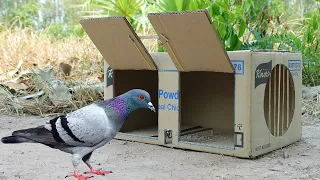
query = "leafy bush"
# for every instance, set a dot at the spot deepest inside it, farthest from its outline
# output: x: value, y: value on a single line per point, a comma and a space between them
x: 241, y: 24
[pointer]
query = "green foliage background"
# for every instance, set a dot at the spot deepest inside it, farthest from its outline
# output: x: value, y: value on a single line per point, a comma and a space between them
x: 241, y: 24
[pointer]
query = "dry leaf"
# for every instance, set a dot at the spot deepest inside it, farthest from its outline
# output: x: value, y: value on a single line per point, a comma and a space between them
x: 65, y: 68
x: 46, y: 75
x: 60, y: 93
x: 101, y: 78
x: 16, y: 85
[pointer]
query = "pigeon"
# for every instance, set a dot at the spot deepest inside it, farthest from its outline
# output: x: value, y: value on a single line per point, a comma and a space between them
x: 81, y: 132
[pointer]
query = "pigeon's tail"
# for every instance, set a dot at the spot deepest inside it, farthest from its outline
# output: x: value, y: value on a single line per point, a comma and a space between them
x: 14, y: 140
x: 32, y: 135
x: 19, y: 136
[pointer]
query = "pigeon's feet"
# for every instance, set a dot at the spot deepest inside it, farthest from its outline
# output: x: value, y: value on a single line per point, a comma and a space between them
x: 78, y: 176
x: 97, y: 172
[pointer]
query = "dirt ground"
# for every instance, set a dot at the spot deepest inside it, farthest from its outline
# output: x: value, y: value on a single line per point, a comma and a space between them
x: 130, y: 160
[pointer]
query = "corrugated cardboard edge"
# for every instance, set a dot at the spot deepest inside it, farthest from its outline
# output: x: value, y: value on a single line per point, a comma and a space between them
x: 270, y: 50
x: 135, y: 38
x: 210, y: 21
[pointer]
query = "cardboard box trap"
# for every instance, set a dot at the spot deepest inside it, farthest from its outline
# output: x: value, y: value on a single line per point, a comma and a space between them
x: 239, y: 103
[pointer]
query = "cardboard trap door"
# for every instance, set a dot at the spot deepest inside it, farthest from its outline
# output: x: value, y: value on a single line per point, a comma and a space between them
x: 131, y: 67
x: 206, y: 78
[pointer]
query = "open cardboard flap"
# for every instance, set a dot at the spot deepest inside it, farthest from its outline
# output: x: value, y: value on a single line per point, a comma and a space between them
x: 191, y: 41
x: 118, y: 43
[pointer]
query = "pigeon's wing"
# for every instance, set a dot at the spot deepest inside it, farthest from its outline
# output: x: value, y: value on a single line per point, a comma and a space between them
x: 85, y: 127
x: 82, y: 132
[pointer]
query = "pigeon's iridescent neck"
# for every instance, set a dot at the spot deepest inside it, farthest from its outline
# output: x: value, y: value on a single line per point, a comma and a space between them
x: 122, y: 107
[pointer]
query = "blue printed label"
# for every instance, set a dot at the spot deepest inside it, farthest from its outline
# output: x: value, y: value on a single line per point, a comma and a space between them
x: 294, y: 73
x: 169, y: 107
x: 294, y: 65
x: 168, y: 95
x: 238, y: 66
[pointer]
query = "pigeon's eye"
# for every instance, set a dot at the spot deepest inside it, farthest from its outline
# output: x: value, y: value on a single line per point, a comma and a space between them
x: 141, y: 97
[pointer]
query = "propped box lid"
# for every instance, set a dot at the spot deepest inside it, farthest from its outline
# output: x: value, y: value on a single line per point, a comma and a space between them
x: 191, y: 41
x: 118, y: 43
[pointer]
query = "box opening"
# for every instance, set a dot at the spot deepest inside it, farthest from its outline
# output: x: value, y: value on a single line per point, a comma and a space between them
x: 279, y: 100
x: 207, y: 108
x: 143, y: 122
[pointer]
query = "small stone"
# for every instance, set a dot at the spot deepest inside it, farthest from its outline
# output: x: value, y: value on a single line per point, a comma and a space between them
x: 285, y: 155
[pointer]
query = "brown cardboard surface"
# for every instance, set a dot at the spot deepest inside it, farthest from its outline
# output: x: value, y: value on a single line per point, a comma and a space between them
x: 168, y: 82
x: 118, y: 43
x: 242, y: 99
x: 191, y: 41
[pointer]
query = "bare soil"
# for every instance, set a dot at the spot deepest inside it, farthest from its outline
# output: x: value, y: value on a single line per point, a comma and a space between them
x: 132, y: 160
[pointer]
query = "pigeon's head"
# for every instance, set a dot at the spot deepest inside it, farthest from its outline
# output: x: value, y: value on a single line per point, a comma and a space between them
x: 141, y: 99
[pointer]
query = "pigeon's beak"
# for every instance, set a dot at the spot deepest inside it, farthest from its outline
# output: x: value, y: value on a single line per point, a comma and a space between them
x: 151, y: 107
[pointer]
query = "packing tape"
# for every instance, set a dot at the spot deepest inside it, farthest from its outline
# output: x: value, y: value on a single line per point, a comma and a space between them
x: 144, y: 58
x: 175, y: 57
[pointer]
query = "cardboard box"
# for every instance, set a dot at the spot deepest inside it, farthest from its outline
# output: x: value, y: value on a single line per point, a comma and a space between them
x: 239, y: 103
